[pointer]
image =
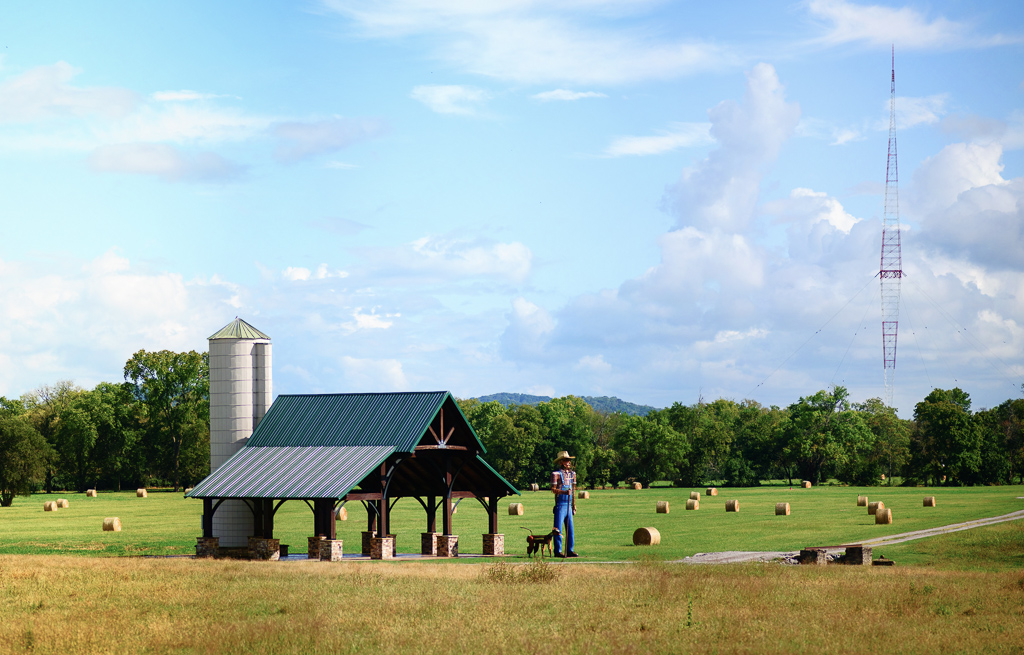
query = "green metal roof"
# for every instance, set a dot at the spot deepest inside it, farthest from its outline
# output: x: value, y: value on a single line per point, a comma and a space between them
x: 238, y: 329
x: 291, y: 472
x: 351, y: 419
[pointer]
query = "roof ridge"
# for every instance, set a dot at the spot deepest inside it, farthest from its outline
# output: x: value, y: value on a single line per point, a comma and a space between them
x: 238, y: 329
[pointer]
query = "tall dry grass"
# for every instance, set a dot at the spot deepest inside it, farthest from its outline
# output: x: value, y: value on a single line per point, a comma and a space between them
x: 75, y: 605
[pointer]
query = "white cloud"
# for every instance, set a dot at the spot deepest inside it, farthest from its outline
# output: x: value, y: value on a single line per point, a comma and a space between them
x: 301, y: 274
x: 163, y: 161
x: 566, y: 95
x: 371, y: 321
x: 682, y: 135
x: 302, y: 140
x: 540, y: 42
x: 593, y: 363
x: 957, y: 168
x: 295, y: 274
x: 374, y: 374
x: 906, y: 27
x: 184, y: 95
x: 720, y: 192
x: 447, y: 258
x: 809, y: 206
x: 450, y: 99
x: 44, y: 93
x: 918, y: 111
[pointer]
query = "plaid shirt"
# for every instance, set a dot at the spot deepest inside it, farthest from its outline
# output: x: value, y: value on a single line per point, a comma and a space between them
x: 563, y: 480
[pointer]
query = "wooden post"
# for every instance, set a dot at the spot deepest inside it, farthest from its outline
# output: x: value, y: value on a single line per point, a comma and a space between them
x: 431, y: 514
x: 492, y: 515
x: 268, y: 518
x: 207, y: 518
x: 257, y: 517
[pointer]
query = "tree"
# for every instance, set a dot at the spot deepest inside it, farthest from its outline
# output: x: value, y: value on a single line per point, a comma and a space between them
x: 892, y: 436
x: 75, y: 438
x: 647, y: 448
x: 946, y: 443
x: 43, y: 407
x: 823, y: 435
x: 567, y: 420
x: 24, y: 455
x: 174, y: 389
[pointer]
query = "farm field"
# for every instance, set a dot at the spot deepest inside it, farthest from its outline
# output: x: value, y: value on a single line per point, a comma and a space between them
x: 167, y: 524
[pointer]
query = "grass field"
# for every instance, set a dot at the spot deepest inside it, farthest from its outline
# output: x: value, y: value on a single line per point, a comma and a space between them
x: 167, y: 524
x: 956, y: 593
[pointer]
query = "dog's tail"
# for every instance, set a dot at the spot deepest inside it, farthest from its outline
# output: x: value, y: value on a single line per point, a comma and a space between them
x: 528, y: 530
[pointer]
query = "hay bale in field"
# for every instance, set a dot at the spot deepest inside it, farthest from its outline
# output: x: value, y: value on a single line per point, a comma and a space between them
x: 515, y: 509
x: 50, y: 506
x: 883, y: 476
x: 90, y: 493
x: 692, y: 504
x: 584, y: 494
x: 662, y: 507
x: 140, y: 493
x: 873, y: 507
x: 929, y: 501
x: 112, y: 524
x: 781, y: 509
x: 638, y: 486
x: 883, y: 516
x: 732, y: 505
x: 806, y: 484
x: 341, y: 514
x: 862, y: 501
x: 694, y: 495
x: 646, y: 537
x: 534, y: 487
x: 63, y: 503
x: 712, y: 491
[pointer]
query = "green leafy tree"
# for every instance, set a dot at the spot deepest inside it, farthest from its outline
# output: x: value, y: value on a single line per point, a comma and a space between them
x: 823, y: 435
x: 118, y: 453
x: 647, y: 448
x: 892, y: 438
x: 24, y: 456
x: 174, y: 389
x: 946, y: 443
x: 43, y: 408
x: 568, y: 421
x: 75, y: 438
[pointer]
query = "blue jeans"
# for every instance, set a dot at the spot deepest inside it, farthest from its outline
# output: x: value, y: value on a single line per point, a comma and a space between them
x: 563, y: 521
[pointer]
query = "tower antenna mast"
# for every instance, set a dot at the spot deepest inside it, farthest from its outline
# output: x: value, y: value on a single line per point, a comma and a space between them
x: 891, y: 270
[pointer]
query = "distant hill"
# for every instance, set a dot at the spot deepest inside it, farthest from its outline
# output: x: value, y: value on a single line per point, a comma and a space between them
x: 605, y: 404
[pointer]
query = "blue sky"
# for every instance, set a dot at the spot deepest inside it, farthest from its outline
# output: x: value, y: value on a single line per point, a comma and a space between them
x: 655, y: 200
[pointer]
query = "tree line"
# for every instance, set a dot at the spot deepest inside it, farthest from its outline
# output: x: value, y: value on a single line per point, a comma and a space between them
x: 821, y: 437
x: 153, y: 429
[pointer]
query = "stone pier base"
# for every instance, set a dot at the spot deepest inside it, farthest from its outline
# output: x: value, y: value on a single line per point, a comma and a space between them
x: 313, y: 549
x: 382, y: 547
x: 814, y: 556
x: 494, y: 544
x: 447, y: 545
x: 264, y: 549
x: 367, y: 538
x: 331, y: 550
x: 207, y: 546
x: 858, y: 555
x: 428, y: 543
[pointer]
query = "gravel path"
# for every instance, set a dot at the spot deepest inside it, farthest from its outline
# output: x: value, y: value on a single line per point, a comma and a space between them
x: 737, y: 556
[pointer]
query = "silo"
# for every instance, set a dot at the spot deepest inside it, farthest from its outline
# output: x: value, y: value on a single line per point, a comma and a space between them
x: 240, y: 394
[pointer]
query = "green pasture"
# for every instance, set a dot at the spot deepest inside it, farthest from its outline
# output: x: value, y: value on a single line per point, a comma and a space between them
x: 167, y: 524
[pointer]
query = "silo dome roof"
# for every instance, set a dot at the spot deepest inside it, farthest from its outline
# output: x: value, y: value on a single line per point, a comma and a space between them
x: 238, y: 329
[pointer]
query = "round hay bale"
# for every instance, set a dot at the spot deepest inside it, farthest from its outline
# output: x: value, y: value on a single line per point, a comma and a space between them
x: 341, y: 514
x: 646, y: 537
x: 732, y: 505
x: 883, y: 516
x: 662, y: 507
x: 883, y: 476
x: 50, y: 506
x: 694, y: 495
x: 112, y: 524
x: 692, y: 504
x: 873, y: 507
x: 712, y: 491
x: 862, y: 501
x: 781, y: 509
x: 140, y: 493
x: 515, y: 509
x: 584, y: 494
x: 638, y: 486
x: 534, y: 487
x: 806, y: 484
x: 63, y: 503
x: 929, y: 501
x: 90, y: 493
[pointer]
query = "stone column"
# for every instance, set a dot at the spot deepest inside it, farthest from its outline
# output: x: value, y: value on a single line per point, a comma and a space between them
x: 207, y: 546
x: 858, y: 555
x: 313, y: 549
x: 264, y: 549
x: 382, y: 547
x: 331, y: 550
x: 428, y: 543
x: 494, y: 544
x: 367, y: 539
x: 814, y: 556
x: 447, y: 545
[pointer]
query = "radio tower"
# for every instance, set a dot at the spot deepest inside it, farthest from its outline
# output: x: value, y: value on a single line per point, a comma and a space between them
x: 891, y: 270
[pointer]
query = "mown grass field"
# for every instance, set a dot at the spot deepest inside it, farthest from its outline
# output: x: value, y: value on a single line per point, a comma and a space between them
x: 167, y: 524
x: 956, y: 593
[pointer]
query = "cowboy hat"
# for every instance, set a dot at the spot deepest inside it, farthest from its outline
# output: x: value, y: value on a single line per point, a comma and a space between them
x: 563, y: 455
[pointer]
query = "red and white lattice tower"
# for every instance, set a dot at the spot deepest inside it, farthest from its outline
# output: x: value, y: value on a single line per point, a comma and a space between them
x: 891, y: 271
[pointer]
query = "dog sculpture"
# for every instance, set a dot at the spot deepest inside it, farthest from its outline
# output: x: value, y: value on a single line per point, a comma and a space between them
x: 537, y: 542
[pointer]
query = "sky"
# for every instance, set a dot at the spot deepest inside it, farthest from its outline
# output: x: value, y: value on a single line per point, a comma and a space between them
x: 660, y: 201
